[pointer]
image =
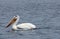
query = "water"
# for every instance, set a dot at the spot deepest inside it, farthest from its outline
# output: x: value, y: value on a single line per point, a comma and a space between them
x: 45, y: 14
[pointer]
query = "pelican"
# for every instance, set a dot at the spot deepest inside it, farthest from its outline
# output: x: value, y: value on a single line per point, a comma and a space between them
x: 23, y: 26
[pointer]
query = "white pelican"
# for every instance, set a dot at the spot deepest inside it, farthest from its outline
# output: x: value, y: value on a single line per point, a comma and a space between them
x: 23, y: 26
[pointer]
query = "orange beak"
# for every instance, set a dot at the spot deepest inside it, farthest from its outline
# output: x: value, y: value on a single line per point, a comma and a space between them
x: 11, y: 21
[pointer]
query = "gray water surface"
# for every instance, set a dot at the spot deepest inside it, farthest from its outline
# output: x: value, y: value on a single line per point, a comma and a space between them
x: 45, y: 14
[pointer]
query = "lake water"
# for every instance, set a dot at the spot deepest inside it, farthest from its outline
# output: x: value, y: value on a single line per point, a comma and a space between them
x: 45, y: 14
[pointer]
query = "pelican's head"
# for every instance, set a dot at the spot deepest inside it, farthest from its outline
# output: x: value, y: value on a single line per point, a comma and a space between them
x: 13, y: 20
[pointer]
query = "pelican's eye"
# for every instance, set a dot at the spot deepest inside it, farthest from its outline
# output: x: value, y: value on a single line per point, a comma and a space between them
x: 15, y: 16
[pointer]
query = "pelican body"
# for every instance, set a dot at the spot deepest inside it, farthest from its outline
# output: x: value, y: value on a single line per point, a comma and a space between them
x: 23, y: 26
